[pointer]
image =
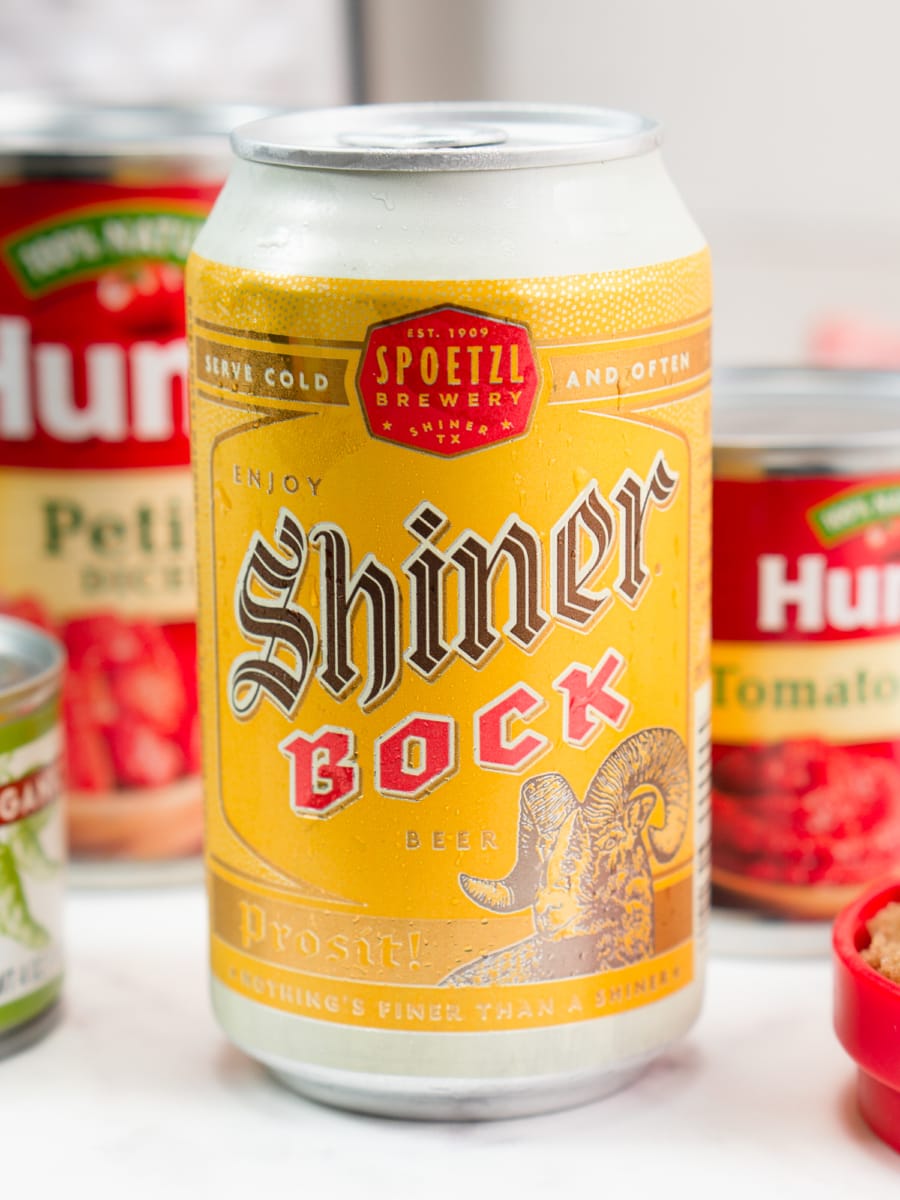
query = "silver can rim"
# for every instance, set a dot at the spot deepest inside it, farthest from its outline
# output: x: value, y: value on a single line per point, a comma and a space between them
x: 807, y: 419
x: 68, y: 132
x: 41, y: 653
x: 446, y: 136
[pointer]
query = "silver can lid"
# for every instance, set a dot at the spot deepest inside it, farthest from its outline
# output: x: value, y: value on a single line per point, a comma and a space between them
x: 445, y: 137
x: 31, y: 664
x: 46, y: 135
x: 797, y: 420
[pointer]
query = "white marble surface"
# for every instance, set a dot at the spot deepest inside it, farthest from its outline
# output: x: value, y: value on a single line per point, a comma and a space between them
x: 137, y: 1094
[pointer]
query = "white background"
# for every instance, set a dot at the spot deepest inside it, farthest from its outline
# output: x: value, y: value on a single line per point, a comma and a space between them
x: 781, y: 122
x: 292, y: 52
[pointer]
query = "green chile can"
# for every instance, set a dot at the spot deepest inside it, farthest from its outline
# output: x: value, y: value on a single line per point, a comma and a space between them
x: 32, y: 833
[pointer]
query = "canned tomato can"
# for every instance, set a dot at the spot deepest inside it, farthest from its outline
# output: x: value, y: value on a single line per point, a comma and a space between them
x: 98, y: 208
x: 32, y: 834
x: 450, y: 372
x: 806, y: 650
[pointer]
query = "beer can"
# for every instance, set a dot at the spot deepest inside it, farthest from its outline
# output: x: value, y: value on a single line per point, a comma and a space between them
x: 98, y: 208
x: 32, y: 834
x: 806, y: 651
x: 450, y: 371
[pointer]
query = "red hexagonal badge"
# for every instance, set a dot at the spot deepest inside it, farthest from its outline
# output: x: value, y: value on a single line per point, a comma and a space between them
x: 448, y: 381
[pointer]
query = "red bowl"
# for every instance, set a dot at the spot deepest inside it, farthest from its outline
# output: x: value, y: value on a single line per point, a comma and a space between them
x: 867, y: 1015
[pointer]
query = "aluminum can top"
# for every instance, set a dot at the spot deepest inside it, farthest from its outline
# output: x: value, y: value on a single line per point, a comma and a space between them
x: 445, y: 137
x: 805, y: 420
x: 31, y: 663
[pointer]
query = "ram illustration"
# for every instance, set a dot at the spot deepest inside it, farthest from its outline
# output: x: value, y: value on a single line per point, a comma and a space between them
x: 584, y: 866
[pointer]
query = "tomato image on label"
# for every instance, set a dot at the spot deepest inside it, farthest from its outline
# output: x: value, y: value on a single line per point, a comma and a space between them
x: 806, y: 813
x: 146, y: 297
x: 130, y: 715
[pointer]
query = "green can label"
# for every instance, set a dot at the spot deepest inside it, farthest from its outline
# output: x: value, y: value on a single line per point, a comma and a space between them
x: 32, y: 851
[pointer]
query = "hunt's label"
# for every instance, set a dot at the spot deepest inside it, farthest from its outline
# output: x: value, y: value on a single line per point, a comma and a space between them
x: 454, y: 650
x: 96, y: 512
x: 806, y: 688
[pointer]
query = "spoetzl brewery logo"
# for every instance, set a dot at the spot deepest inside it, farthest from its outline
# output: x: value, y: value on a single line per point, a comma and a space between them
x: 448, y: 381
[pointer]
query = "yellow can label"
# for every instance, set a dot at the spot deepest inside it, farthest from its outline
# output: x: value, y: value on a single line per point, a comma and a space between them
x: 454, y: 581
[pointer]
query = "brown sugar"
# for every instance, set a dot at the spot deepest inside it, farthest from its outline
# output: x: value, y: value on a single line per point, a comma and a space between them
x: 883, y: 952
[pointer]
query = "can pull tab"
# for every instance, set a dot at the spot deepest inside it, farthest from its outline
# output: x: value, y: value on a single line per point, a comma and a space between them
x: 424, y: 137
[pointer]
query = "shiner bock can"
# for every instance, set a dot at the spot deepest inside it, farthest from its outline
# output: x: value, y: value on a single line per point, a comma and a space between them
x: 98, y: 208
x: 450, y: 372
x: 32, y: 834
x: 806, y: 651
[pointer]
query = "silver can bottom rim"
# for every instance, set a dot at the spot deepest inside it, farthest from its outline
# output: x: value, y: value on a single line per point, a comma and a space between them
x: 418, y: 1099
x: 21, y: 1037
x: 455, y: 1076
